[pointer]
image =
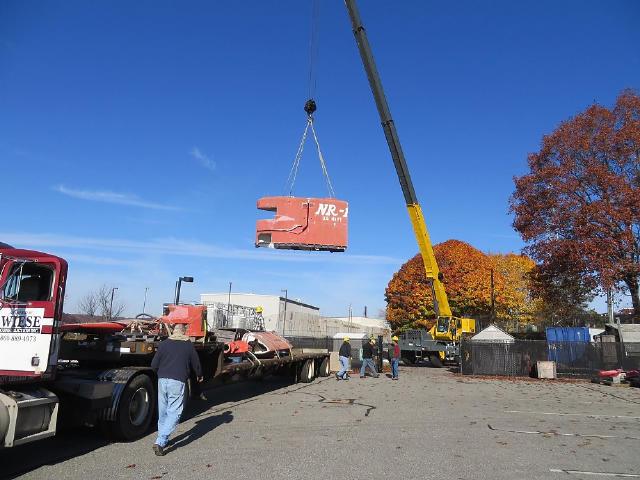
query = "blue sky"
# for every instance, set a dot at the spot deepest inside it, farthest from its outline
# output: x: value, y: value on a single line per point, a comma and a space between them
x: 136, y: 137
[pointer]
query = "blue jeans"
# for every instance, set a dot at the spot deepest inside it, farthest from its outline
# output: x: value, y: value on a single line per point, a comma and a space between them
x: 170, y: 404
x: 368, y: 362
x: 344, y: 366
x: 394, y: 367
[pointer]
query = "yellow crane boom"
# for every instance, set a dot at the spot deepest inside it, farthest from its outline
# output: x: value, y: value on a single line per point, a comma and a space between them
x: 442, y: 341
x: 441, y: 303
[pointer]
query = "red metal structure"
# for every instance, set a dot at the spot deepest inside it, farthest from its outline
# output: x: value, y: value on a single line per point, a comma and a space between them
x: 303, y: 224
x: 194, y: 316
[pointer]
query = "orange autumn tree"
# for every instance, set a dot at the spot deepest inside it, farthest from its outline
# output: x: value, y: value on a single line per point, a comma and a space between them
x: 514, y: 299
x: 466, y: 273
x: 467, y: 279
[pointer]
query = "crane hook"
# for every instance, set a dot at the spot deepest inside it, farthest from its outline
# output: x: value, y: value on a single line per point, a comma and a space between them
x: 310, y: 107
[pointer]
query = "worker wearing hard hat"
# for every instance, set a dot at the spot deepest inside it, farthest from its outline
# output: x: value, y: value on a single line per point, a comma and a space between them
x: 172, y: 362
x: 344, y: 355
x: 394, y: 357
x: 367, y: 358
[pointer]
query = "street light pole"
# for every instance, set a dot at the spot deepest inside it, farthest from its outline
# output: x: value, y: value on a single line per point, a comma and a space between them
x: 176, y: 299
x: 284, y: 320
x: 113, y: 290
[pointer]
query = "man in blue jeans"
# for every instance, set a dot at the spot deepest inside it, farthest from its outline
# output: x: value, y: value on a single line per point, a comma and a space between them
x: 173, y: 362
x: 367, y: 358
x: 344, y: 354
x: 394, y: 356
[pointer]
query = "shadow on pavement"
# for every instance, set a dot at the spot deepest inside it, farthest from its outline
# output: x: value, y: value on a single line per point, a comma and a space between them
x: 21, y: 460
x: 76, y: 442
x: 200, y: 429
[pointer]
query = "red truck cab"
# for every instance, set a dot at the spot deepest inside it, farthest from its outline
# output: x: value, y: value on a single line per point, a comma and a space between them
x: 32, y: 286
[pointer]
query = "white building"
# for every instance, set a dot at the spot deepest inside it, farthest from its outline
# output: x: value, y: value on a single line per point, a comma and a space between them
x: 368, y: 325
x: 286, y: 316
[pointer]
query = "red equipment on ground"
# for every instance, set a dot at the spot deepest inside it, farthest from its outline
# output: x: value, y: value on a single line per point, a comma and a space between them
x: 303, y: 224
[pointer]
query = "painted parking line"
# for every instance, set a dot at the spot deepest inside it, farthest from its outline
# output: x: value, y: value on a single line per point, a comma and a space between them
x: 561, y: 434
x: 600, y: 474
x: 588, y: 415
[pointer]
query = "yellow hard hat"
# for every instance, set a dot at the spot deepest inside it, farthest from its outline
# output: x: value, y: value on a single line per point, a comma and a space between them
x: 346, y: 339
x: 258, y: 309
x: 394, y: 338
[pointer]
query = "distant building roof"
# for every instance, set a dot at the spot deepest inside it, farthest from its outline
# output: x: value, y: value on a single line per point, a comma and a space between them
x: 352, y: 335
x: 363, y: 321
x: 493, y: 334
x: 288, y: 300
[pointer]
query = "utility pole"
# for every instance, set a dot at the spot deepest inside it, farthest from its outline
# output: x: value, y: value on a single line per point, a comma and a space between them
x: 144, y: 305
x: 229, y: 306
x: 286, y: 299
x: 113, y: 290
x: 493, y: 299
x: 610, y: 305
x: 350, y: 318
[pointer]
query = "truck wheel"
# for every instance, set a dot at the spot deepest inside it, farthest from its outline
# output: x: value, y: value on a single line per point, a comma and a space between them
x: 409, y: 358
x: 323, y: 371
x: 136, y: 409
x: 306, y: 374
x: 435, y: 360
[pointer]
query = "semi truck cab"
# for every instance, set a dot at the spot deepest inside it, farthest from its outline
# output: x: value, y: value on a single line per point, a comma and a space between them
x: 31, y: 300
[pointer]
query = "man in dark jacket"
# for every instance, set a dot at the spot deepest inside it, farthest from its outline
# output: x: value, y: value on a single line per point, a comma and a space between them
x: 367, y: 358
x: 344, y: 354
x: 173, y: 362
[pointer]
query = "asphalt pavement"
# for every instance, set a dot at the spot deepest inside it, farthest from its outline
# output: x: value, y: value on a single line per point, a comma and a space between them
x: 429, y: 424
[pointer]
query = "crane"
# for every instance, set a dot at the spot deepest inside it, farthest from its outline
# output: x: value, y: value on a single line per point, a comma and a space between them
x: 448, y: 329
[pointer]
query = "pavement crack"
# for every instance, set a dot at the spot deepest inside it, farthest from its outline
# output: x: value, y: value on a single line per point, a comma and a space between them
x: 343, y: 401
x: 610, y: 394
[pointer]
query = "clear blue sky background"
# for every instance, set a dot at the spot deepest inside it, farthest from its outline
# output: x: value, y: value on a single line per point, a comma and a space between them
x: 135, y: 137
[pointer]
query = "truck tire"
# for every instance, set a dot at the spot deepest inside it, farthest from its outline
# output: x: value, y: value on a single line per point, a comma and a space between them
x: 136, y: 409
x: 409, y: 358
x: 435, y: 360
x: 306, y: 373
x: 323, y: 371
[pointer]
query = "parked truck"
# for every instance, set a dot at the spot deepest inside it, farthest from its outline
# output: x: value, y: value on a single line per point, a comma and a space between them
x: 439, y: 344
x: 99, y: 374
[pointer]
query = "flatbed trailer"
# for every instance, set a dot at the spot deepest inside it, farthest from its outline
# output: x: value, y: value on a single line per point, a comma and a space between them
x: 95, y: 374
x: 302, y: 366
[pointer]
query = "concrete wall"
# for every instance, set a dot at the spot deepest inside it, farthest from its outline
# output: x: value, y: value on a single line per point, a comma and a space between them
x: 368, y: 325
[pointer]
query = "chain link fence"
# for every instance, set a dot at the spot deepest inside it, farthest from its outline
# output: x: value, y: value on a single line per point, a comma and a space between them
x: 573, y: 359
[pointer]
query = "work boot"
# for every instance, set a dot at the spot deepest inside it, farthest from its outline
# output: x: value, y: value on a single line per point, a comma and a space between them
x: 158, y: 450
